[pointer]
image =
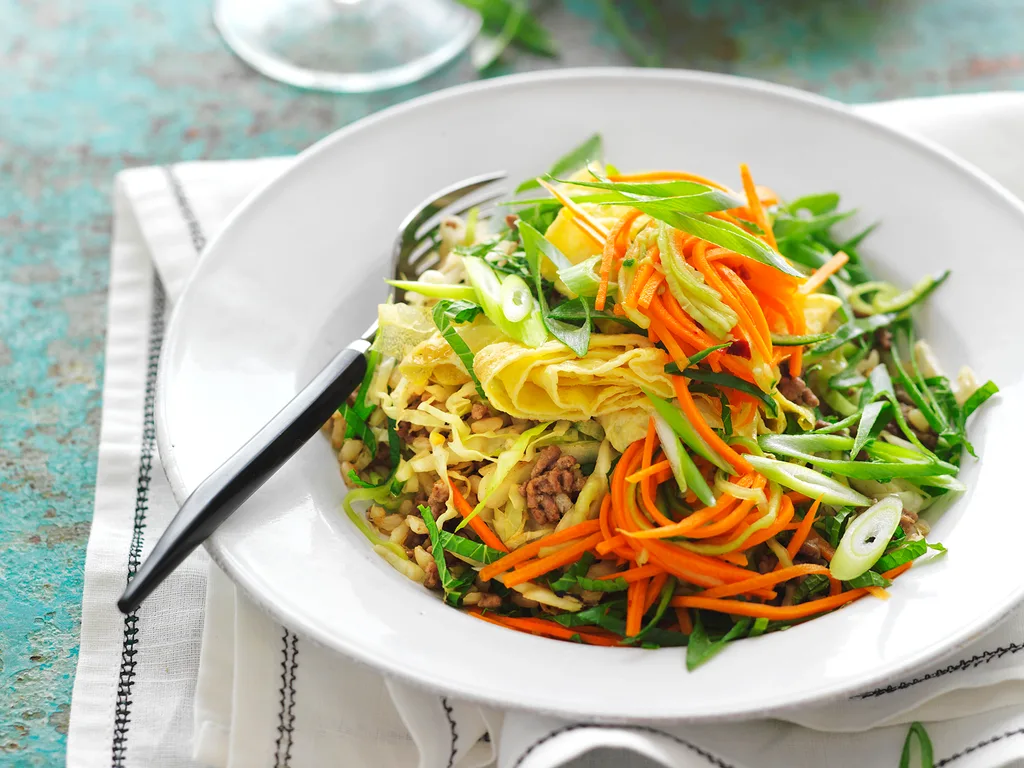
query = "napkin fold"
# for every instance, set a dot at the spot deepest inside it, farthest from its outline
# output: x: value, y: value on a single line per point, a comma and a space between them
x: 199, y: 676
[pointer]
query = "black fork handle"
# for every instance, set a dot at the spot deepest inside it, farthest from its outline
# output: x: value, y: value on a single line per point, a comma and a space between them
x: 220, y: 494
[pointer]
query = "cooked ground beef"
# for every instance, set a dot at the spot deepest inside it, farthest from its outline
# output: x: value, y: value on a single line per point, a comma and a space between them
x: 554, y: 483
x: 795, y: 389
x: 432, y: 581
x: 407, y: 431
x: 908, y: 522
x: 884, y: 338
x: 489, y: 601
x: 438, y: 499
x: 817, y: 547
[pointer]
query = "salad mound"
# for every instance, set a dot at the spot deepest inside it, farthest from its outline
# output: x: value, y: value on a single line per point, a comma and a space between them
x: 650, y: 410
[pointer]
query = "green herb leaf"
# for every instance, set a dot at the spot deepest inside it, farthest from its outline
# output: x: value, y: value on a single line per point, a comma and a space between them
x: 732, y: 382
x: 792, y: 227
x: 589, y: 151
x: 787, y: 340
x: 577, y: 338
x: 980, y: 395
x: 810, y: 586
x: 567, y: 580
x: 443, y: 322
x: 455, y: 587
x: 687, y: 197
x: 460, y: 312
x: 356, y: 426
x: 702, y: 648
x: 854, y: 330
x: 760, y: 625
x: 602, y: 585
x: 816, y: 205
x: 869, y: 579
x: 394, y: 459
x: 469, y: 549
x: 911, y: 296
x: 834, y: 526
x: 904, y: 554
x: 869, y: 426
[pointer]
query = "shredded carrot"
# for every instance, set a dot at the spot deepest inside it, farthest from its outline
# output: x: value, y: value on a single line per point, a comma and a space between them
x: 635, y: 606
x: 654, y: 589
x: 544, y: 627
x: 749, y: 303
x: 735, y: 558
x: 487, y: 536
x: 898, y: 570
x: 754, y: 204
x: 528, y: 551
x: 547, y: 564
x: 744, y: 321
x: 878, y: 592
x: 610, y: 545
x: 685, y: 623
x: 606, y: 506
x: 634, y: 574
x: 592, y: 228
x: 716, y: 443
x: 639, y: 280
x: 823, y: 273
x: 805, y: 528
x: 764, y: 580
x: 647, y: 482
x: 650, y: 289
x: 655, y: 469
x: 614, y: 249
x: 777, y: 612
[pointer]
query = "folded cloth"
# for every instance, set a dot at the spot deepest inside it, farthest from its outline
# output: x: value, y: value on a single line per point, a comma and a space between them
x: 199, y: 676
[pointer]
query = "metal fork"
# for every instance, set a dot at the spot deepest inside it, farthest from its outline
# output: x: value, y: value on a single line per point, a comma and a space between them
x: 220, y: 494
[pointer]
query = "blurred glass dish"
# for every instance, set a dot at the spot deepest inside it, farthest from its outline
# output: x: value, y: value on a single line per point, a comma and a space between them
x: 346, y: 46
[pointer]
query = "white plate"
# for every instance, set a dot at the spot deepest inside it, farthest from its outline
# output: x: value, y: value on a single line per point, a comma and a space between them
x: 297, y: 273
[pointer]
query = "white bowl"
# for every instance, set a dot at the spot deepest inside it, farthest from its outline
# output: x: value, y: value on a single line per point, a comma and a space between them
x: 297, y: 273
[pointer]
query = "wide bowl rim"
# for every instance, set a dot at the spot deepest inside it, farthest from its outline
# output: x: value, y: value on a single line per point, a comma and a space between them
x: 237, y: 218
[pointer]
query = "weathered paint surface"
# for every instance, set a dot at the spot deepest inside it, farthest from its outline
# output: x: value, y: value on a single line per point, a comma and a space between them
x: 91, y: 88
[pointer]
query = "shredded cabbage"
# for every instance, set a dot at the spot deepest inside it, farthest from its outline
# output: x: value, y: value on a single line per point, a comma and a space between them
x: 594, y: 490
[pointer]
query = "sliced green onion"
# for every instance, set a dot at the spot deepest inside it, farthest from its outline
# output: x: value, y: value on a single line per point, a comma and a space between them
x: 584, y: 279
x: 765, y: 521
x: 682, y: 427
x: 909, y: 297
x: 529, y: 330
x: 516, y: 299
x: 435, y: 290
x: 683, y: 469
x: 866, y: 538
x: 787, y: 340
x: 808, y: 481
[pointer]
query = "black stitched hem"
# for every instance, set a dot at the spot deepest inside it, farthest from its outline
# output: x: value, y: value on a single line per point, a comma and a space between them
x: 975, y: 747
x: 129, y: 639
x: 451, y: 727
x: 975, y: 661
x: 285, y: 713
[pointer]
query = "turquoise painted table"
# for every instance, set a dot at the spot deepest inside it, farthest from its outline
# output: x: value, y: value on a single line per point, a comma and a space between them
x: 91, y: 88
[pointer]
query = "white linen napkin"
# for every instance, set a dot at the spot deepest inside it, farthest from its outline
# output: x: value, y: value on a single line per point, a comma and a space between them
x: 199, y: 676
